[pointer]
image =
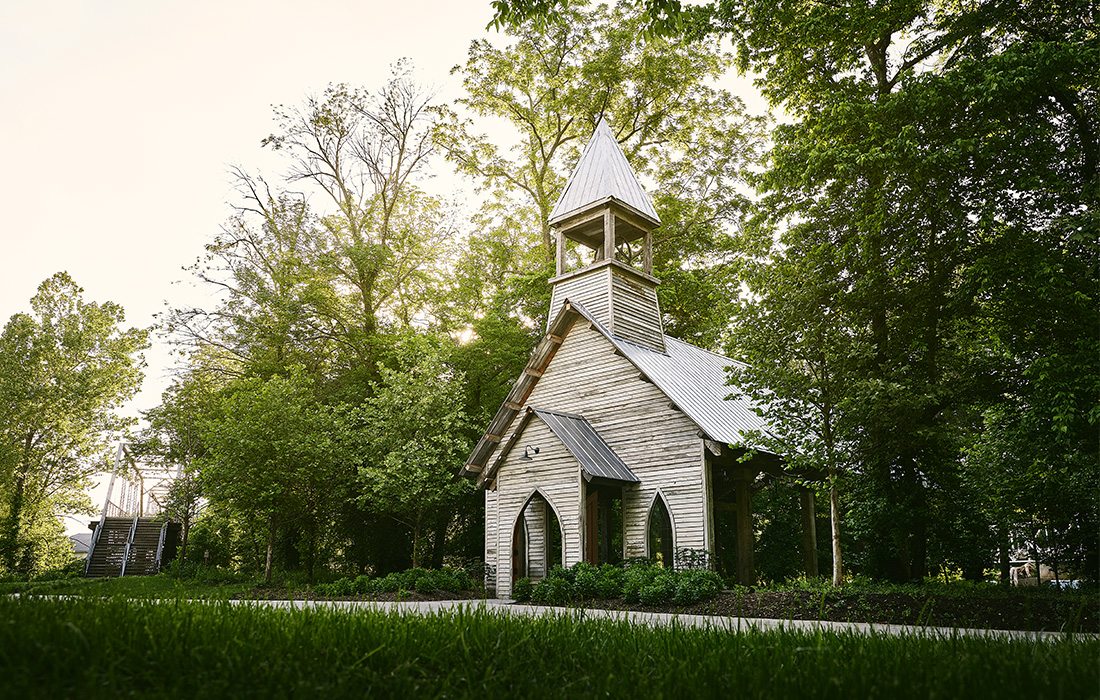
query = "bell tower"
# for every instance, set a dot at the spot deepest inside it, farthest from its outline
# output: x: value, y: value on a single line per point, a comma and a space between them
x: 603, y: 225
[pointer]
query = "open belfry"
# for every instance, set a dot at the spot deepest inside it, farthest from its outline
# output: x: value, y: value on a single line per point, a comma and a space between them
x: 615, y: 442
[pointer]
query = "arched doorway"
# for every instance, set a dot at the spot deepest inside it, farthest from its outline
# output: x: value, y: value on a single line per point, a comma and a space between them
x: 536, y: 540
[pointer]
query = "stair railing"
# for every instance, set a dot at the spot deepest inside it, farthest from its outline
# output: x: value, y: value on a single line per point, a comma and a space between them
x: 92, y: 544
x: 103, y: 515
x: 160, y: 544
x: 129, y: 545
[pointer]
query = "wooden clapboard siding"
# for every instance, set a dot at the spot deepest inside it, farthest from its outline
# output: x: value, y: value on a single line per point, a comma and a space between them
x: 635, y: 312
x: 492, y: 531
x: 659, y: 444
x: 535, y: 515
x: 589, y: 288
x: 554, y: 472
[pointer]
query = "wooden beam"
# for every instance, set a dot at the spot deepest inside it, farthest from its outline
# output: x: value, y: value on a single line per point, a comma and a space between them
x: 630, y: 217
x: 533, y: 372
x: 512, y: 405
x: 555, y: 339
x: 493, y: 438
x: 560, y: 266
x: 578, y: 220
x: 746, y: 572
x: 608, y: 234
x: 713, y: 447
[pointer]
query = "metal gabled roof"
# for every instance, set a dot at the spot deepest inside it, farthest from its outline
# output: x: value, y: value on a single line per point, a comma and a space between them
x: 692, y: 378
x: 595, y: 456
x: 602, y: 173
x: 695, y: 380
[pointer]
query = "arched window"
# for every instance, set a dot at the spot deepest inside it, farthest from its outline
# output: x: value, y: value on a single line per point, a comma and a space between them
x: 659, y: 533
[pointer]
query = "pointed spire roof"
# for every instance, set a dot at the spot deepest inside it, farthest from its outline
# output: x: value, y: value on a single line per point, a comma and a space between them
x: 603, y: 173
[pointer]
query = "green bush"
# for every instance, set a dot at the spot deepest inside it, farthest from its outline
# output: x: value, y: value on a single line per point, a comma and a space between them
x: 642, y: 582
x: 610, y: 583
x: 586, y: 581
x: 695, y: 585
x: 660, y: 590
x: 521, y: 590
x: 554, y: 590
x: 422, y: 581
x: 636, y: 578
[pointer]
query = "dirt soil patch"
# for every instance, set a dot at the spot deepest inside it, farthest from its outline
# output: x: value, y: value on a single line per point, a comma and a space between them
x: 1002, y: 612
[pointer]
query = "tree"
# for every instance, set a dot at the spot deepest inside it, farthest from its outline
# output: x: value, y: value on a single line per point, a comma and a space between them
x: 315, y: 281
x: 414, y: 432
x: 65, y: 370
x: 278, y: 455
x: 173, y: 441
x: 551, y: 83
x: 798, y: 378
x: 948, y: 155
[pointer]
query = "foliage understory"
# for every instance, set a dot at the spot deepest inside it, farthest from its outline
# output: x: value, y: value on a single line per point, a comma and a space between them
x: 189, y: 649
x: 211, y: 583
x: 957, y: 604
x: 638, y: 586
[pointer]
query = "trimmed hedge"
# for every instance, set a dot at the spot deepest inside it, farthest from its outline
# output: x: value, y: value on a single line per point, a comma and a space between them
x: 445, y: 580
x: 645, y: 583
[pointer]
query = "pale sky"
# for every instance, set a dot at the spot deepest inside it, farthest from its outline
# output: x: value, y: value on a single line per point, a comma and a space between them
x: 119, y: 121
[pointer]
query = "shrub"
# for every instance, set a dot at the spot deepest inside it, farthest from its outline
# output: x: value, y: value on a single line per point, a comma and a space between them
x: 553, y: 590
x: 586, y: 581
x: 521, y: 590
x: 659, y: 590
x: 695, y: 585
x: 558, y: 571
x: 610, y: 582
x: 636, y: 578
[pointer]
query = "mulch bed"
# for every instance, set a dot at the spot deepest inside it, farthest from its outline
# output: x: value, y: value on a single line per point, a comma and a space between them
x: 1006, y: 612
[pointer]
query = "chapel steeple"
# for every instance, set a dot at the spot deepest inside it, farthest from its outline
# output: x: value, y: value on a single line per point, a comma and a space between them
x: 603, y: 225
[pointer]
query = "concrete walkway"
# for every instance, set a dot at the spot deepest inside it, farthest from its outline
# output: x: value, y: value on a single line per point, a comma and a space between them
x: 655, y: 619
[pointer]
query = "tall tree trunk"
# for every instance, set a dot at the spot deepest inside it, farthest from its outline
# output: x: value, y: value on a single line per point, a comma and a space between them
x: 13, y: 528
x: 834, y: 518
x: 270, y: 550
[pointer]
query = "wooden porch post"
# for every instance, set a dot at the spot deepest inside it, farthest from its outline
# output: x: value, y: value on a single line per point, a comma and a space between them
x: 746, y: 571
x: 809, y: 532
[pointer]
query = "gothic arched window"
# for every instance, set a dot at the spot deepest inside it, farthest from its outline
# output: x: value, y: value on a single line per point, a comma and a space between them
x: 659, y: 533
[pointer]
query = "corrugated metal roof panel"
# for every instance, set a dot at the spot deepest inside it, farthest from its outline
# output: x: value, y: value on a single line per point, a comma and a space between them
x: 695, y: 380
x: 602, y: 172
x: 596, y: 457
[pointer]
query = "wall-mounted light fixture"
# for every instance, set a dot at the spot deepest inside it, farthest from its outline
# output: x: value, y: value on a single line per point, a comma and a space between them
x: 528, y: 451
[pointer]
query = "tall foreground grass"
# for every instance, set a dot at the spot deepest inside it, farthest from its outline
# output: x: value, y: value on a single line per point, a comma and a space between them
x: 114, y: 648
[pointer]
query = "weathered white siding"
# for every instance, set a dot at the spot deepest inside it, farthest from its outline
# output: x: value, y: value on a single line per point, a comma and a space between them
x: 492, y: 532
x: 555, y: 473
x: 590, y: 288
x: 636, y: 315
x: 657, y: 442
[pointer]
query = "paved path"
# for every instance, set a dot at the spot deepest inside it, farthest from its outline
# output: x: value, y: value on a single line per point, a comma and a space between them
x: 654, y: 619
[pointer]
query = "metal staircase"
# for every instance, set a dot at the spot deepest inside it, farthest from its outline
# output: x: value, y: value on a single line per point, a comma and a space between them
x: 129, y: 537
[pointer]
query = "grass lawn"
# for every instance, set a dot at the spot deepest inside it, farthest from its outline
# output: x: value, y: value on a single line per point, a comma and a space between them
x: 113, y: 647
x: 160, y: 586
